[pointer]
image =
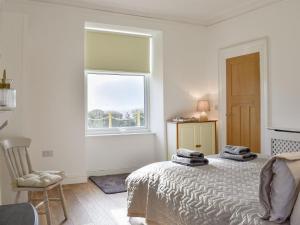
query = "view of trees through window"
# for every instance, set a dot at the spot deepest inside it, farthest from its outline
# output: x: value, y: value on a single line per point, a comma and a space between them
x: 115, y: 101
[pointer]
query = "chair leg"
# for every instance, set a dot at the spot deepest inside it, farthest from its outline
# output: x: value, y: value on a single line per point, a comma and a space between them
x: 63, y: 201
x: 17, y: 197
x: 47, y: 208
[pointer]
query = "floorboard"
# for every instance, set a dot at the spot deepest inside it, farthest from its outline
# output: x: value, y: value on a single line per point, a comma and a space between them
x: 88, y: 205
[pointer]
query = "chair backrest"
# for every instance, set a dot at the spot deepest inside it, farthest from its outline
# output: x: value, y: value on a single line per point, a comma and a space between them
x: 16, y: 156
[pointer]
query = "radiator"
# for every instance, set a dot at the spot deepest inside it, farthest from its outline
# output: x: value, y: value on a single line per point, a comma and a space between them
x: 282, y: 145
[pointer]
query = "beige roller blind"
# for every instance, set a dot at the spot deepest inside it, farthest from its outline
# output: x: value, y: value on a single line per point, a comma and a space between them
x: 117, y: 52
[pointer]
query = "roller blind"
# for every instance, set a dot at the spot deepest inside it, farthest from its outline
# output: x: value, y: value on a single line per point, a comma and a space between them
x: 117, y: 52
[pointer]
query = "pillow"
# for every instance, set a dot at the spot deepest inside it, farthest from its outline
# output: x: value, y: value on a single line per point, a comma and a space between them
x: 283, y: 191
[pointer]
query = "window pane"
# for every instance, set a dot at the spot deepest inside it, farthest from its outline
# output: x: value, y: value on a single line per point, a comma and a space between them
x: 115, y: 101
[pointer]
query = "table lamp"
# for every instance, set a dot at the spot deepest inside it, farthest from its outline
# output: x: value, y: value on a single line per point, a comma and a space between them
x: 203, y: 107
x: 7, y: 97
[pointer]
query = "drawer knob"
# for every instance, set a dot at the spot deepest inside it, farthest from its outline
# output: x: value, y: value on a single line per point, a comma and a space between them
x: 198, y: 146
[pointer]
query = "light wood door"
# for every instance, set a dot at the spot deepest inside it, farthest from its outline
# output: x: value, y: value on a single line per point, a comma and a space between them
x: 243, y: 101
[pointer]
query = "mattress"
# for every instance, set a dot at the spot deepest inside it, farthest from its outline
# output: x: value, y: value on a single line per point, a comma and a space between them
x: 225, y: 192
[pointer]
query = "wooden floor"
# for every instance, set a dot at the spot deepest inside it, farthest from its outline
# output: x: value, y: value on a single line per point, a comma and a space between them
x: 88, y: 205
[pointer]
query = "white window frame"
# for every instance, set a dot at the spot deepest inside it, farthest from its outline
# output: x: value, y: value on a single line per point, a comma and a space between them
x: 119, y: 130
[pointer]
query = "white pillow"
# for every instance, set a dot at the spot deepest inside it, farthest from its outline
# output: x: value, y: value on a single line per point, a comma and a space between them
x: 283, y: 191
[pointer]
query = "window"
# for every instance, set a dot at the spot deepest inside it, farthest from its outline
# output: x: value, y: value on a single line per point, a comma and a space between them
x: 116, y: 102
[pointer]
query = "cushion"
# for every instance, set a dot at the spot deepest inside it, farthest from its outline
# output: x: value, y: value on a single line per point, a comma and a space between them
x: 38, y: 179
x: 283, y: 190
x: 56, y: 172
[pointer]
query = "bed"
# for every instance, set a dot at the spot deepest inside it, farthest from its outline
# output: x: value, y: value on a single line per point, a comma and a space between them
x: 225, y: 192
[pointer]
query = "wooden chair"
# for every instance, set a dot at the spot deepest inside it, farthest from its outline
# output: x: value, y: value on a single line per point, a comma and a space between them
x: 25, y: 179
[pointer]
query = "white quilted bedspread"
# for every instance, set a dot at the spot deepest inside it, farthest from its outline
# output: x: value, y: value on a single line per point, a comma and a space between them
x: 225, y: 192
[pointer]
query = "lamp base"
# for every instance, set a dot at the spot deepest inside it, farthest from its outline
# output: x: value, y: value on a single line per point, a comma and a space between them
x: 203, y: 117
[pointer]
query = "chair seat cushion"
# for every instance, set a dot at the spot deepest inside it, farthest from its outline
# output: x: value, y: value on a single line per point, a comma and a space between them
x: 39, y: 179
x: 56, y: 172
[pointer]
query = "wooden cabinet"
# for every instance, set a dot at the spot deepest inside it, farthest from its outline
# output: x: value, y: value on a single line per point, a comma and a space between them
x: 199, y: 136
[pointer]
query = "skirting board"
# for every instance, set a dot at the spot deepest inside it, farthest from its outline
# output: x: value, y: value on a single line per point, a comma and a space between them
x: 111, y: 172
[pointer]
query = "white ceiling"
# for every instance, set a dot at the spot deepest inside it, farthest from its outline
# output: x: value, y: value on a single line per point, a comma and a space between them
x: 203, y: 12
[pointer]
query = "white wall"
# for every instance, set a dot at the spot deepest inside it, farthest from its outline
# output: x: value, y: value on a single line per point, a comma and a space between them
x: 119, y: 154
x: 1, y: 119
x: 50, y: 87
x: 280, y: 23
x: 11, y: 51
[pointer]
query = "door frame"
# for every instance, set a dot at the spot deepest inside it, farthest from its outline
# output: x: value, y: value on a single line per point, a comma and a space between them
x: 261, y: 46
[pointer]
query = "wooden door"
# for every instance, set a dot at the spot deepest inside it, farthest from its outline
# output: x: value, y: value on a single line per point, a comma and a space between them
x: 243, y: 101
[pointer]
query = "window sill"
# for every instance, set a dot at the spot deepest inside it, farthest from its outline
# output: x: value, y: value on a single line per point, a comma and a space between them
x: 87, y: 135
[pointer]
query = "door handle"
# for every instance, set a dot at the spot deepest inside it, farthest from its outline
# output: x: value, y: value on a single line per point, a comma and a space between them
x: 198, y: 146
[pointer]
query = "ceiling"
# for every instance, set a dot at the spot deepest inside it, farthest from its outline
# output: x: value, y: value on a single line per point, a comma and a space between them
x: 202, y: 12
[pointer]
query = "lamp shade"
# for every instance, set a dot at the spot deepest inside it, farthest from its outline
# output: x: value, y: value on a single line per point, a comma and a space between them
x: 203, y: 106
